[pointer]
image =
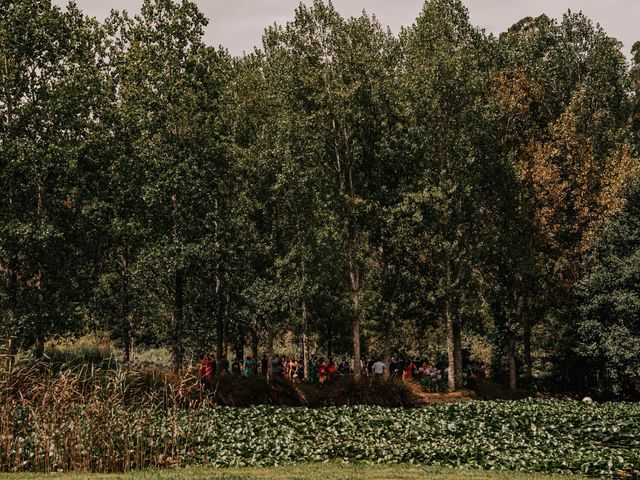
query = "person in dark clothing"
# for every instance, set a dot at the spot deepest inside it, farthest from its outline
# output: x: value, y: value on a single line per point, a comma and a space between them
x: 235, y: 367
x: 224, y: 366
x: 276, y: 367
x: 370, y: 366
x: 393, y: 367
x: 264, y: 365
x: 331, y: 370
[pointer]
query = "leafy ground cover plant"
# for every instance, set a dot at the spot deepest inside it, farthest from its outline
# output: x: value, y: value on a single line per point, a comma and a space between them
x: 558, y: 436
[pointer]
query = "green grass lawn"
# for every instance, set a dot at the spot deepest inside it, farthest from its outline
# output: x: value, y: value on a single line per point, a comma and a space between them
x: 317, y: 471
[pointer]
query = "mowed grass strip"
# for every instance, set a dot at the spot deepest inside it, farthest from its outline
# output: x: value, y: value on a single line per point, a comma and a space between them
x: 310, y: 471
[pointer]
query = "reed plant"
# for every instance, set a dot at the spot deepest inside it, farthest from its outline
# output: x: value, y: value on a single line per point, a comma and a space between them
x: 114, y: 418
x: 87, y: 418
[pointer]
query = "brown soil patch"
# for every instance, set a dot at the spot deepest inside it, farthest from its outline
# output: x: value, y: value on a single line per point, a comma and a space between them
x: 449, y: 397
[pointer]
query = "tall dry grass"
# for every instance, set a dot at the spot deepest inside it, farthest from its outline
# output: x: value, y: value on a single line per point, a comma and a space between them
x: 91, y: 419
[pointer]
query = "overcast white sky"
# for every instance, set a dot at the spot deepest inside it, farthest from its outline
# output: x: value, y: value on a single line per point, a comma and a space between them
x: 238, y: 24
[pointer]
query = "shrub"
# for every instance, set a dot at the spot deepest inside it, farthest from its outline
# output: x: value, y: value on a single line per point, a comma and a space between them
x: 88, y: 349
x: 433, y: 385
x: 242, y: 392
x: 159, y: 357
x: 391, y: 392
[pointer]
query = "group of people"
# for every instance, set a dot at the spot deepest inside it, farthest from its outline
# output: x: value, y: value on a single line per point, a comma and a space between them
x: 208, y: 367
x: 323, y: 371
x: 407, y: 369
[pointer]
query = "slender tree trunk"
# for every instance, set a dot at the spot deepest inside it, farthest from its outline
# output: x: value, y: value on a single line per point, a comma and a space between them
x: 225, y: 324
x: 12, y: 300
x: 451, y: 351
x: 354, y: 275
x: 387, y: 350
x: 457, y: 345
x: 39, y: 343
x: 131, y: 336
x: 527, y: 353
x: 126, y: 341
x: 12, y: 275
x: 218, y: 291
x: 126, y: 337
x: 219, y: 323
x: 177, y: 320
x: 239, y: 347
x: 343, y: 140
x: 219, y: 350
x: 305, y: 340
x: 356, y: 334
x: 127, y: 317
x: 254, y: 350
x: 387, y: 321
x: 500, y: 349
x: 270, y: 353
x: 511, y: 347
x: 329, y: 336
x: 177, y: 312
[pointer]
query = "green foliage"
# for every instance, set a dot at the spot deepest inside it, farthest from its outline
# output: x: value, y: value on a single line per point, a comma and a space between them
x: 86, y: 350
x: 609, y: 327
x: 340, y: 185
x: 48, y: 102
x: 528, y: 436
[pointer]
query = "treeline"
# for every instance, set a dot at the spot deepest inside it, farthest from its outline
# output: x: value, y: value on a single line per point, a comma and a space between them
x: 360, y: 189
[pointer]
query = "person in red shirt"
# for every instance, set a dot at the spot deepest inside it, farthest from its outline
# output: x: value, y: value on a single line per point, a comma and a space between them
x: 202, y: 370
x: 409, y: 367
x: 210, y: 367
x: 322, y: 371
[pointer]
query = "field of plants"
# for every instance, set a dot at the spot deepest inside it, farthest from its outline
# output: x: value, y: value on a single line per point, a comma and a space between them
x: 552, y: 436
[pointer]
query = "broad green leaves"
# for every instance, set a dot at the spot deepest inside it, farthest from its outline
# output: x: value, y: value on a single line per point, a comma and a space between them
x: 530, y: 436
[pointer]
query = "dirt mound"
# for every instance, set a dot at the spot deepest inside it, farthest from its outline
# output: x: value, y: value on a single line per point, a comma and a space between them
x: 242, y: 392
x: 447, y: 397
x: 366, y: 391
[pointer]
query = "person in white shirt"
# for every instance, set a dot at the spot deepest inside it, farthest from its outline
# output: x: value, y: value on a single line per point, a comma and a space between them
x: 378, y: 368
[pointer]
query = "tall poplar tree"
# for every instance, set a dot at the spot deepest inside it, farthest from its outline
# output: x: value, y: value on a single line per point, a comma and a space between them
x: 49, y: 95
x: 170, y: 83
x: 446, y: 84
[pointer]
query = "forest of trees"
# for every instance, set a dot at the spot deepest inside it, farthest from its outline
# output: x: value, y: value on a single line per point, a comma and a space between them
x: 368, y: 193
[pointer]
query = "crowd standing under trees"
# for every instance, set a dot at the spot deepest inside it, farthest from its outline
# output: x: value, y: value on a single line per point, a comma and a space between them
x: 438, y: 190
x: 321, y: 371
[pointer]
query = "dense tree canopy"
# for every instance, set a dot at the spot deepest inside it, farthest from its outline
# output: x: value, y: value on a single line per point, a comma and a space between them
x: 440, y: 192
x: 609, y: 324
